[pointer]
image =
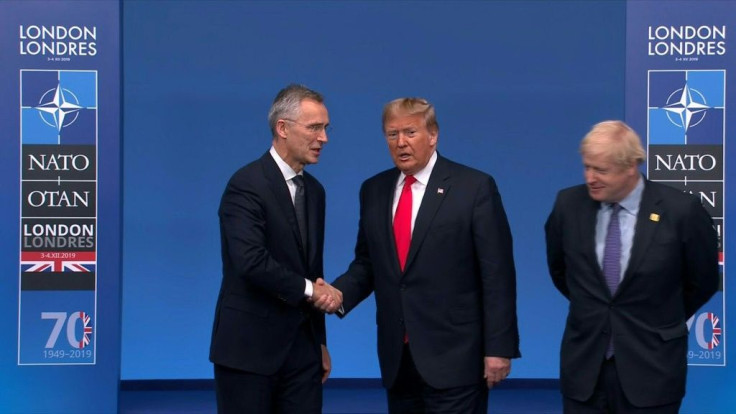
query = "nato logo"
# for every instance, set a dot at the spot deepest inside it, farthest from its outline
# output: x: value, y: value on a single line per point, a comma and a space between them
x: 58, y: 107
x: 686, y: 107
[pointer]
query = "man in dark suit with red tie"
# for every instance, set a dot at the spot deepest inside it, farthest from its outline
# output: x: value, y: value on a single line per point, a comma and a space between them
x: 635, y: 259
x: 434, y: 245
x: 268, y: 343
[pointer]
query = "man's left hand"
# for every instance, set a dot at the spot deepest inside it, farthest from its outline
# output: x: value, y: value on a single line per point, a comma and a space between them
x: 326, y: 364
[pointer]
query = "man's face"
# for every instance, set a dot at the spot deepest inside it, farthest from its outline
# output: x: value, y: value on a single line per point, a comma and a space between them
x: 305, y: 135
x: 608, y: 182
x: 410, y: 142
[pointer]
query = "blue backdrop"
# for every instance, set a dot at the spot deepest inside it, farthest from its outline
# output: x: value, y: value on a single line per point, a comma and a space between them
x: 516, y: 85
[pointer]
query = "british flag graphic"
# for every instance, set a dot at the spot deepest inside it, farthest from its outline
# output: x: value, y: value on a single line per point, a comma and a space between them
x: 87, y: 329
x: 716, y: 330
x: 58, y: 261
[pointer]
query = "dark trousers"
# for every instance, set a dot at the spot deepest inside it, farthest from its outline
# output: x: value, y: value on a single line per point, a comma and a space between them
x: 412, y: 395
x: 296, y: 388
x: 609, y: 398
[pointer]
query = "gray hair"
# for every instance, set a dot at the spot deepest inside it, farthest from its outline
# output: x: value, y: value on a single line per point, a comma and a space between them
x: 287, y: 103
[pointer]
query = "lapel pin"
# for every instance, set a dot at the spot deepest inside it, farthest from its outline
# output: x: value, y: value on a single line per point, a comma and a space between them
x: 654, y: 217
x: 440, y: 191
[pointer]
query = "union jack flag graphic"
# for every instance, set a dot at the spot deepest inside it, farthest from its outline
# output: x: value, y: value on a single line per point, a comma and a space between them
x: 87, y: 330
x: 58, y: 261
x: 715, y: 338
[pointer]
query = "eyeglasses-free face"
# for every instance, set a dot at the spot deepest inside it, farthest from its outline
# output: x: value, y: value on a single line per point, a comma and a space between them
x: 410, y: 142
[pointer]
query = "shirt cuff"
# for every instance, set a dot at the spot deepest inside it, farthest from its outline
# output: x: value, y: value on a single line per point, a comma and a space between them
x: 308, y: 288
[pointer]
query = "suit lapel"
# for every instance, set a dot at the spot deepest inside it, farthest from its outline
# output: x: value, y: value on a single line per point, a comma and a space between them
x: 278, y: 186
x: 437, y: 189
x: 313, y: 217
x: 387, y: 193
x: 588, y: 217
x: 644, y: 231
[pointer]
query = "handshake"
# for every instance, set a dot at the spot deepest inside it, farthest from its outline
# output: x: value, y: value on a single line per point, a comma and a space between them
x: 325, y: 297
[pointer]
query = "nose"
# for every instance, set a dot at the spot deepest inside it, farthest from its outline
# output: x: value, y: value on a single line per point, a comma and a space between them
x: 590, y: 176
x: 401, y: 140
x: 322, y: 137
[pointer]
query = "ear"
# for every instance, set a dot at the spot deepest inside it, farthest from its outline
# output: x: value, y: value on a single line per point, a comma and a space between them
x: 433, y: 135
x: 633, y: 170
x: 281, y: 129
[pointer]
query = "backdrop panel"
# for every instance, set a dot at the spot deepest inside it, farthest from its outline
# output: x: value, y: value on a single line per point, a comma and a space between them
x: 60, y: 251
x: 678, y: 97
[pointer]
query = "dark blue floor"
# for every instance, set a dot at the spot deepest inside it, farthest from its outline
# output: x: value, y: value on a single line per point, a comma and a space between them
x: 340, y: 397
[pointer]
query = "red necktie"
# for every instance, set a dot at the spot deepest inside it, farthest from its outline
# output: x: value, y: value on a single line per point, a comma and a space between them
x: 402, y: 221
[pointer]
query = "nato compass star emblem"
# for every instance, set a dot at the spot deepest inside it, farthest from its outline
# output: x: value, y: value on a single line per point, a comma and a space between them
x: 686, y: 107
x: 58, y: 107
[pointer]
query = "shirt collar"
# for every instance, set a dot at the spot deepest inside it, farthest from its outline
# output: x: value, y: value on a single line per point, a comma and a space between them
x: 286, y: 171
x: 422, y: 175
x: 631, y: 202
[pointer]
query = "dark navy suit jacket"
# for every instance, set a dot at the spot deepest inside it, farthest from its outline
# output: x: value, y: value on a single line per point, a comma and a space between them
x: 456, y: 298
x: 261, y: 301
x: 672, y: 271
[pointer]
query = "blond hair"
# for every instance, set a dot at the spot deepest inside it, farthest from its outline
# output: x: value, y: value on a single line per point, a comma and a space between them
x: 411, y: 106
x: 616, y: 140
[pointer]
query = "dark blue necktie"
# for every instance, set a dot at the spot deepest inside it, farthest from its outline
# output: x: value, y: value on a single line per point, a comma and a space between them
x: 612, y: 251
x: 300, y: 208
x: 612, y: 260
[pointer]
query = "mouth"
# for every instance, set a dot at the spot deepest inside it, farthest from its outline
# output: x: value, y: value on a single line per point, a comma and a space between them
x: 404, y: 156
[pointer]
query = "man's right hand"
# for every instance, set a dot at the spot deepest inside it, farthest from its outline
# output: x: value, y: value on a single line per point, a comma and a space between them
x: 325, y: 297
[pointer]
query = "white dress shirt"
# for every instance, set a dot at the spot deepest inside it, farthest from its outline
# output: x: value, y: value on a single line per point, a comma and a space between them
x: 417, y: 189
